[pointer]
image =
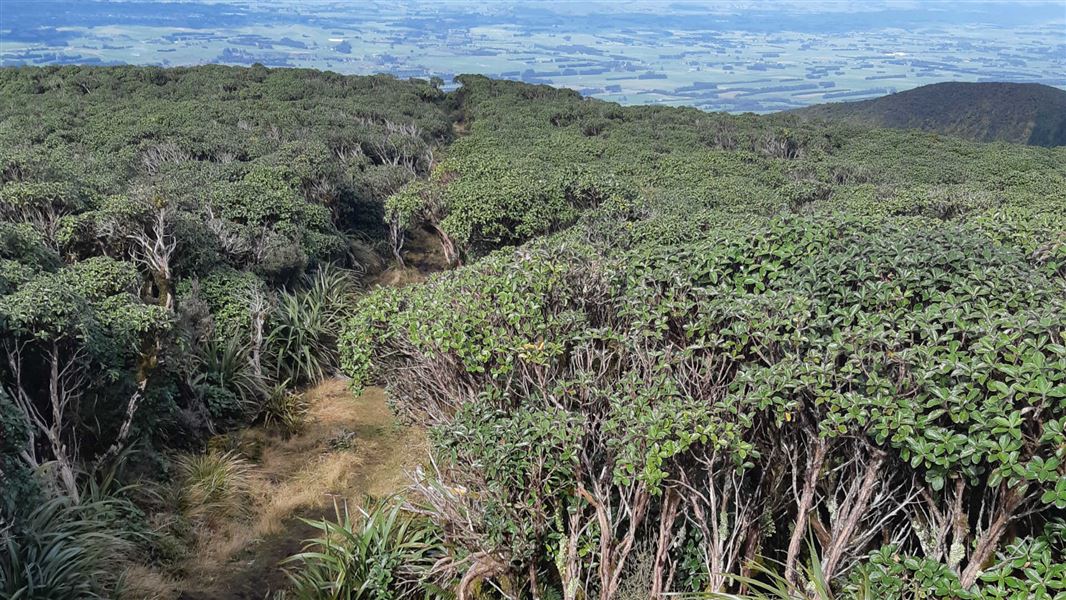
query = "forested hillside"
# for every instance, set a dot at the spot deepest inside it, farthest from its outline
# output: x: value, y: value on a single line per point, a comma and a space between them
x: 679, y: 352
x: 1023, y: 113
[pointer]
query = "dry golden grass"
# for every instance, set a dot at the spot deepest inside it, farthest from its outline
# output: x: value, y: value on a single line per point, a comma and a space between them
x: 399, y: 277
x: 350, y: 447
x: 216, y: 487
x: 144, y: 583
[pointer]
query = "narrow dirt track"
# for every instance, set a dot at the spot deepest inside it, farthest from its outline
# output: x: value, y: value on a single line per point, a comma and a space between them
x: 351, y: 447
x: 308, y: 474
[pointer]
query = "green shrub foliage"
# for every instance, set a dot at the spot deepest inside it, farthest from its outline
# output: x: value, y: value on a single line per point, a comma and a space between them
x: 149, y: 220
x: 534, y: 158
x: 684, y: 342
x: 861, y: 376
x: 755, y: 331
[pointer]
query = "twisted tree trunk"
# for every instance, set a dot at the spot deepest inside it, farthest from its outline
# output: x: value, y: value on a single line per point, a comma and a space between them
x: 803, y: 509
x: 988, y: 541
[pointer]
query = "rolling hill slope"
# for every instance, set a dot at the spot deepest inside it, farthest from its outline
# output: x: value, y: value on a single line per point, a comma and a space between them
x: 1024, y: 113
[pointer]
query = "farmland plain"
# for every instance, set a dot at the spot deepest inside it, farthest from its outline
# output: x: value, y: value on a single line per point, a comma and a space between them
x: 734, y: 56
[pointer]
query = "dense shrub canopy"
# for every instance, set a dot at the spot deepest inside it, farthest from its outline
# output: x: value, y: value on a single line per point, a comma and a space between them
x: 688, y: 341
x: 149, y: 219
x: 755, y: 331
x: 535, y: 157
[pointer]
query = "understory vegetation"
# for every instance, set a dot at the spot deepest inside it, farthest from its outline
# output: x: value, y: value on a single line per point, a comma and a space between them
x: 681, y: 354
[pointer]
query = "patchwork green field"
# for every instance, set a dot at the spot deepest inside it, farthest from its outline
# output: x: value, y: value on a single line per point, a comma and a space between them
x: 736, y: 57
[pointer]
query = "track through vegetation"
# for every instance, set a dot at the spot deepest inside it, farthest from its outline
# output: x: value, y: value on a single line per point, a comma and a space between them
x: 350, y: 447
x: 675, y: 347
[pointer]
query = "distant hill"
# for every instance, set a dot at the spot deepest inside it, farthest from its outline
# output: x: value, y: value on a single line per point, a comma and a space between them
x: 1024, y: 113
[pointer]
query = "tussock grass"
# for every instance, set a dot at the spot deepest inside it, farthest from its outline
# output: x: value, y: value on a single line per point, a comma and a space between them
x: 215, y: 487
x: 145, y: 583
x: 226, y: 380
x: 304, y: 325
x: 285, y: 409
x: 298, y: 475
x: 768, y: 582
x: 380, y: 551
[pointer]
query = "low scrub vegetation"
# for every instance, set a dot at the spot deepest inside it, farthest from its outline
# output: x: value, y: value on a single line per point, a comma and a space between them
x: 683, y: 353
x: 382, y: 551
x: 893, y: 384
x: 874, y: 359
x: 175, y: 244
x: 166, y: 242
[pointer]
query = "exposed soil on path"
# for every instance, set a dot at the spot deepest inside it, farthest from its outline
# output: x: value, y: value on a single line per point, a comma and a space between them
x: 350, y: 447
